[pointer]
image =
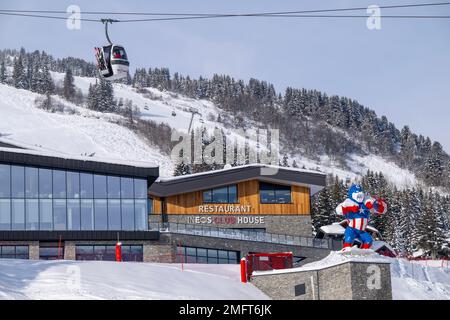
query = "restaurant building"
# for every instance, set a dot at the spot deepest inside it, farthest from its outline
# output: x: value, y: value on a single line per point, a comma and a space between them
x: 253, y: 197
x: 54, y: 206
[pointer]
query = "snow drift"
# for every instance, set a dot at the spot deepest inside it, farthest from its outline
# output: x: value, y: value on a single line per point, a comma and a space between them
x: 27, y: 279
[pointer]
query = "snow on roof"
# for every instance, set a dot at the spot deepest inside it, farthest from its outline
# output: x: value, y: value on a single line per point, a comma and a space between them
x: 376, y: 245
x: 35, y: 150
x: 333, y: 259
x: 334, y: 228
x: 253, y: 165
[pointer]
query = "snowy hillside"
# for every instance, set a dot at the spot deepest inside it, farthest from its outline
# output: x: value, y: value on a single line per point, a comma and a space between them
x: 26, y: 279
x: 85, y: 132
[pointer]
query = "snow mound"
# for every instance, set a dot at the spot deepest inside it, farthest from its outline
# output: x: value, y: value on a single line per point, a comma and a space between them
x: 27, y: 279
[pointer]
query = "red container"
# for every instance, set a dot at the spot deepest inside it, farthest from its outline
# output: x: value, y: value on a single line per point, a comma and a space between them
x: 268, y: 261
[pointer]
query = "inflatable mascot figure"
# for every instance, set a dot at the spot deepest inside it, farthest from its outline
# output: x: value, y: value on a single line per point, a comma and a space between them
x: 357, y: 209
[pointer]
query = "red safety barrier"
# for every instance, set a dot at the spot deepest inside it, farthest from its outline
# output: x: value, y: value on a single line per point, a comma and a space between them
x: 243, y: 270
x: 118, y: 251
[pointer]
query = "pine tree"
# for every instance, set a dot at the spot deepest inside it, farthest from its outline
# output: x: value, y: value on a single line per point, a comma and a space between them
x: 2, y: 72
x: 431, y: 231
x: 69, y: 86
x: 182, y: 169
x: 321, y: 209
x: 92, y: 98
x: 19, y: 77
x: 433, y: 168
x: 285, y: 162
x: 106, y: 97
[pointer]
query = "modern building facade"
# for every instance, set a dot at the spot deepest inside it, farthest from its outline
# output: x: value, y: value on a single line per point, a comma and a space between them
x: 55, y: 207
x: 78, y: 208
x: 243, y: 198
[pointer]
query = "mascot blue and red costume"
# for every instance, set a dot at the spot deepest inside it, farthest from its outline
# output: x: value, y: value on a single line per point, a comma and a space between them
x: 357, y: 209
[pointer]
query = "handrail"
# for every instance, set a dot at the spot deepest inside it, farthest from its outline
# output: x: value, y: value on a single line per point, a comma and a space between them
x: 206, y: 231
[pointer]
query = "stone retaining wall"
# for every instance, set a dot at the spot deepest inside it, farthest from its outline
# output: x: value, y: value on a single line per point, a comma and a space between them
x: 348, y: 281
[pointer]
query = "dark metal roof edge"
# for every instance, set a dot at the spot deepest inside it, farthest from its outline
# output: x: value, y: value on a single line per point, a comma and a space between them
x: 54, y: 162
x: 66, y: 235
x: 216, y: 179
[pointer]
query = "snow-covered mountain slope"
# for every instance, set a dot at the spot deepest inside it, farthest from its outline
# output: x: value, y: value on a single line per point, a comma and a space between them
x: 26, y: 279
x: 87, y: 132
x: 83, y: 133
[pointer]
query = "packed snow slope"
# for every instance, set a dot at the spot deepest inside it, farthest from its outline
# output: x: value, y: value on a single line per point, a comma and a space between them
x: 80, y: 131
x: 27, y: 279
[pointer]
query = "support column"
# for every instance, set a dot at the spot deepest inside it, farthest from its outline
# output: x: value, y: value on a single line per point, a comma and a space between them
x: 69, y: 250
x: 33, y: 250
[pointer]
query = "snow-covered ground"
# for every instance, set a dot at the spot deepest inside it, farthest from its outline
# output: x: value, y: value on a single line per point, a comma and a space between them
x: 27, y: 279
x: 410, y: 280
x: 84, y: 133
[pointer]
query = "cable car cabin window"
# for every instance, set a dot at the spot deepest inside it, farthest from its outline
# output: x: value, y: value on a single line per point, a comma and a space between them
x: 119, y: 53
x: 273, y: 193
x: 226, y: 194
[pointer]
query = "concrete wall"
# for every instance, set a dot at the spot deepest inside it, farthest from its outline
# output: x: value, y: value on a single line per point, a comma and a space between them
x: 295, y: 225
x: 347, y: 281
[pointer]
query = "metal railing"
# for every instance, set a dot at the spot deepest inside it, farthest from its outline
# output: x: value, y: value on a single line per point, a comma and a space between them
x: 235, y: 234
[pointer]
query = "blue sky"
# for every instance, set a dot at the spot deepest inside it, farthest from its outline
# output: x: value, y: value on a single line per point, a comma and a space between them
x: 401, y: 71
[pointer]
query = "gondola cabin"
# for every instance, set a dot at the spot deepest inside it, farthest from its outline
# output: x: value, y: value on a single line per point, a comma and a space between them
x: 112, y: 61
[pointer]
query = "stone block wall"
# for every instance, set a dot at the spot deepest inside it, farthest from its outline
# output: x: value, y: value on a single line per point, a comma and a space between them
x: 348, y: 281
x: 294, y: 225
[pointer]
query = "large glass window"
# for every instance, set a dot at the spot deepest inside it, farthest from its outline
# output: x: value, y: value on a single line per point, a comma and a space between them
x: 203, y: 255
x: 107, y: 252
x: 87, y: 214
x: 5, y: 181
x: 45, y: 214
x: 73, y: 214
x: 114, y: 222
x: 59, y: 214
x: 31, y: 182
x: 18, y: 214
x: 86, y: 185
x: 127, y: 214
x: 226, y: 194
x: 50, y: 199
x: 13, y: 252
x: 113, y: 187
x: 101, y: 214
x: 126, y: 188
x: 45, y: 183
x: 273, y: 193
x: 140, y: 189
x: 5, y: 214
x: 73, y: 185
x: 17, y: 182
x: 32, y: 214
x: 141, y: 215
x: 59, y: 184
x: 99, y: 186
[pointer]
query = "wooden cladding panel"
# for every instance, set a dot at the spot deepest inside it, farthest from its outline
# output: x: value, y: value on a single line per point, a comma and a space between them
x: 188, y: 203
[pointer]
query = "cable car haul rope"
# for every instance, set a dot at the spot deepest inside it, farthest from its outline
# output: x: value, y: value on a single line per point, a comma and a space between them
x: 112, y: 60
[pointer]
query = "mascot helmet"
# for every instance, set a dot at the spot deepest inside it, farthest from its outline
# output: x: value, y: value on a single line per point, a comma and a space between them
x: 356, y: 193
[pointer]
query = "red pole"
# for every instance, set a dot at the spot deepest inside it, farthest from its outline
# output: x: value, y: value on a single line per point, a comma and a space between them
x: 118, y: 251
x: 243, y: 270
x: 59, y: 247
